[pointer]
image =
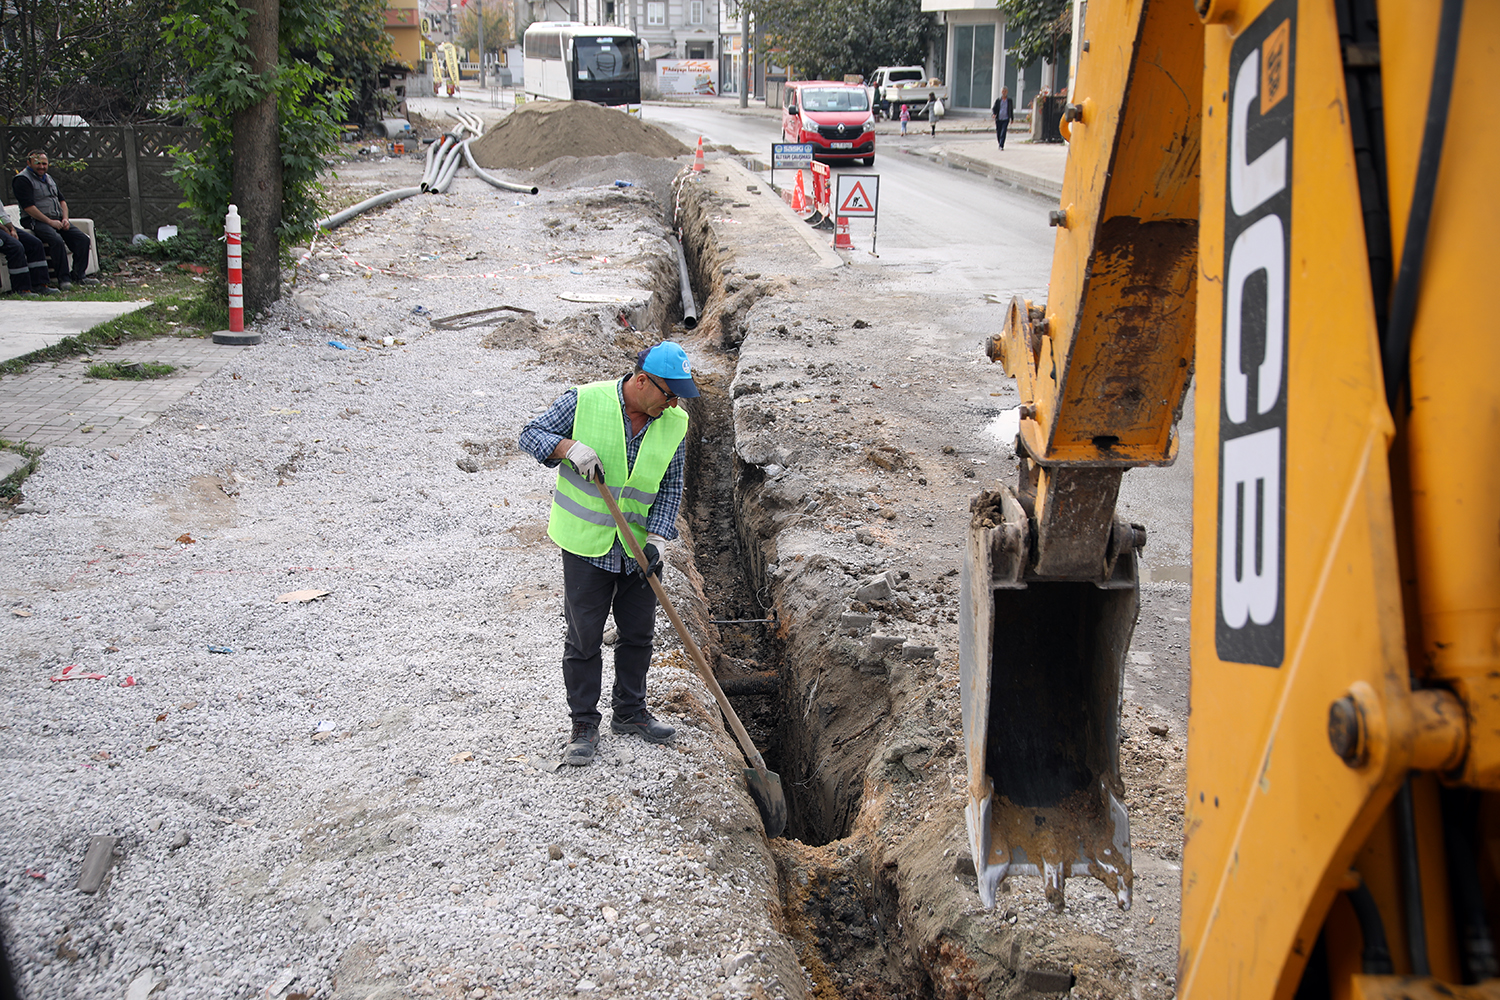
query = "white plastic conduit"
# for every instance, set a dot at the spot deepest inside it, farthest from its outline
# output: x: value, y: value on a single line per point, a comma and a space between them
x: 443, y: 159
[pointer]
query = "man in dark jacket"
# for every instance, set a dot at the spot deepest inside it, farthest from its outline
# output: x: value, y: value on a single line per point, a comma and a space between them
x: 45, y: 213
x: 1001, y: 112
x: 25, y: 259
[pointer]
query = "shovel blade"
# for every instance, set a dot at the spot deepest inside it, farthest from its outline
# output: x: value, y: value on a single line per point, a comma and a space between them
x: 765, y: 789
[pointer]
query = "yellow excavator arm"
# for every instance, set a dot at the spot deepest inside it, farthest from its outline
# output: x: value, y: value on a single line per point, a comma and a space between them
x: 1295, y: 201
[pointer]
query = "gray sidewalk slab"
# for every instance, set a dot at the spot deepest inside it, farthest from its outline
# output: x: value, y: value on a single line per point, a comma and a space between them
x: 32, y: 324
x: 55, y: 403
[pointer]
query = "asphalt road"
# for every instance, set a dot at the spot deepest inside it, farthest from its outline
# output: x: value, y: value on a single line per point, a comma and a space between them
x: 967, y: 233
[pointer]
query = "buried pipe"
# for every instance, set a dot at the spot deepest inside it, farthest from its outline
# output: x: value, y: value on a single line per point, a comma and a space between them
x: 689, y: 307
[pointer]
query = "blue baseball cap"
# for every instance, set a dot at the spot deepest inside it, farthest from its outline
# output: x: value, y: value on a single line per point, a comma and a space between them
x: 669, y: 362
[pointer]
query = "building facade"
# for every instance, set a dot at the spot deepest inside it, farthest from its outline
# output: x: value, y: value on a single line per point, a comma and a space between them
x: 973, y: 59
x: 670, y: 29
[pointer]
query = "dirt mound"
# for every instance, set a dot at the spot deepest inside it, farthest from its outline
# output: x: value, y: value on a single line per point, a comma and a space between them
x: 535, y: 134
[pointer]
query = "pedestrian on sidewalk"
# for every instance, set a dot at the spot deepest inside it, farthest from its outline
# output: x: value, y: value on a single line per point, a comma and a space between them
x: 1001, y: 112
x: 630, y: 433
x: 25, y: 258
x: 905, y: 117
x: 934, y: 112
x: 45, y: 213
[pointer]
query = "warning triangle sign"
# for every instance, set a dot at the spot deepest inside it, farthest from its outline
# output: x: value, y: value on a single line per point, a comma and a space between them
x: 857, y: 201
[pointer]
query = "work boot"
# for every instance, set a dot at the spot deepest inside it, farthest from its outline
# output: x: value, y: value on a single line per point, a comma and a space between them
x: 88, y: 281
x: 644, y: 725
x: 582, y: 745
x: 65, y: 285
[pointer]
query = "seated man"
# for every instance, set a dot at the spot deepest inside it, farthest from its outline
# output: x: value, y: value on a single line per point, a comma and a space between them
x: 45, y: 213
x: 25, y: 258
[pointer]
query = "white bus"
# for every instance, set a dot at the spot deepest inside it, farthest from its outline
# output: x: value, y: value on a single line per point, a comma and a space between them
x: 567, y: 61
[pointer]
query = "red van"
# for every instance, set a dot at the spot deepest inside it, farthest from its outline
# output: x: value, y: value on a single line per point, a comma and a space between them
x: 834, y: 117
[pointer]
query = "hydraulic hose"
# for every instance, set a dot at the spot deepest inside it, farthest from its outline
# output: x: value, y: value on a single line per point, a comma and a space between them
x: 1411, y: 881
x: 490, y: 178
x: 689, y: 307
x: 1375, y: 960
x: 1396, y: 349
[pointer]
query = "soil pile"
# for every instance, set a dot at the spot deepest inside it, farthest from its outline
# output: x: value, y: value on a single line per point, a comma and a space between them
x: 535, y: 134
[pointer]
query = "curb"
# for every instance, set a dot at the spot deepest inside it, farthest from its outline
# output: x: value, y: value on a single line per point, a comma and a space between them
x: 1042, y: 187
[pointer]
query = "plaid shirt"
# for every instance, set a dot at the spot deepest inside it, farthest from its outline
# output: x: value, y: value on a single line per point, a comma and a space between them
x: 540, y: 438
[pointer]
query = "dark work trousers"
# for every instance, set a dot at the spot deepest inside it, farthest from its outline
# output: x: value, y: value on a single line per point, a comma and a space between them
x: 588, y: 595
x: 58, y: 243
x: 1002, y: 125
x: 25, y: 259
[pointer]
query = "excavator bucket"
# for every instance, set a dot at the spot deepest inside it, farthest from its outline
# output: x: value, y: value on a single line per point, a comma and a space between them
x: 1041, y: 663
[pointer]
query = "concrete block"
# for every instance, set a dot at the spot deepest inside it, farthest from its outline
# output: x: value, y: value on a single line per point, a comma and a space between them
x: 878, y: 589
x: 96, y: 862
x: 1047, y: 980
x: 880, y: 645
x: 851, y: 622
x: 911, y: 651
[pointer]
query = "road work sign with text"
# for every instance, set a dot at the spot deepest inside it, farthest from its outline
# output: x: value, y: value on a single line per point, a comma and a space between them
x: 791, y: 155
x: 858, y: 196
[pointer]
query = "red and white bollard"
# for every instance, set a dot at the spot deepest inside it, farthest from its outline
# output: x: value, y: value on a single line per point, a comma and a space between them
x: 235, y: 335
x: 236, y: 274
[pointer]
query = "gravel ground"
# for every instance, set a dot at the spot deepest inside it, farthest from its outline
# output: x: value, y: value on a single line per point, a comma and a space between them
x: 357, y: 795
x: 362, y: 800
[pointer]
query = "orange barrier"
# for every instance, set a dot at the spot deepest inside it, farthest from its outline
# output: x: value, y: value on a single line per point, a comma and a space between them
x: 799, y: 197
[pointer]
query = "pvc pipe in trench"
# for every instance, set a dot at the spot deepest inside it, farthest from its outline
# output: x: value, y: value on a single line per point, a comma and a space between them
x: 689, y: 307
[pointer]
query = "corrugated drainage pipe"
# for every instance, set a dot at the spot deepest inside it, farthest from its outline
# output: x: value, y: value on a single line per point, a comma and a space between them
x: 497, y: 182
x: 689, y: 307
x: 445, y: 176
x: 334, y: 221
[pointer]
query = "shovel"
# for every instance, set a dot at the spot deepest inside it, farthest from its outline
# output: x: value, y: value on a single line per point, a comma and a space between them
x: 764, y: 785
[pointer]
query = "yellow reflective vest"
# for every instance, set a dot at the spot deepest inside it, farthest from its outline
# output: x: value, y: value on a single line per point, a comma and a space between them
x: 580, y: 522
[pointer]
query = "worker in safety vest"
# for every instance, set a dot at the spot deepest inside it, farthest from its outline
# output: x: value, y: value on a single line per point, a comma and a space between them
x: 631, y: 431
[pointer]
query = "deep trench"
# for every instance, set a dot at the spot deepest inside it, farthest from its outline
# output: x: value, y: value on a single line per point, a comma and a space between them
x: 840, y: 906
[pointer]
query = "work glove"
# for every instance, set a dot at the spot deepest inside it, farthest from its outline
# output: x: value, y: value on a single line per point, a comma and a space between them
x: 585, y: 461
x: 653, y: 550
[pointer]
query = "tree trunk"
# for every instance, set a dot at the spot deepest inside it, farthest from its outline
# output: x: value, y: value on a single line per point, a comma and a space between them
x: 256, y: 178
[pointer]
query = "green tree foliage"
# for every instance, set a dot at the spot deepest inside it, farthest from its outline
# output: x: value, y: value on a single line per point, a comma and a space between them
x: 357, y: 49
x: 100, y: 59
x: 496, y: 26
x: 313, y: 89
x: 1037, y: 29
x: 827, y: 39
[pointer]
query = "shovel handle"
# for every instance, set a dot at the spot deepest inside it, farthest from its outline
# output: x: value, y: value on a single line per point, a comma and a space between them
x: 751, y: 754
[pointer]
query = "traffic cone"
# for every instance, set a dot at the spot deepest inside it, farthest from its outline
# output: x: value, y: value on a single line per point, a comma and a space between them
x: 698, y: 157
x: 799, y: 197
x: 841, y: 240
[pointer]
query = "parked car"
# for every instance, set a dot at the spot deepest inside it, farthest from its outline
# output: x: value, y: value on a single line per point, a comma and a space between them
x: 834, y: 117
x: 893, y: 86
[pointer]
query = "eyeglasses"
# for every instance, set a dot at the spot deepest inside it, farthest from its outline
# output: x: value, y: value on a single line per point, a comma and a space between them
x: 661, y: 388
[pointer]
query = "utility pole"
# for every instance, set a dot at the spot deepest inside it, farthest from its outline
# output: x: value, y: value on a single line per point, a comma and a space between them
x: 255, y: 178
x: 744, y: 54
